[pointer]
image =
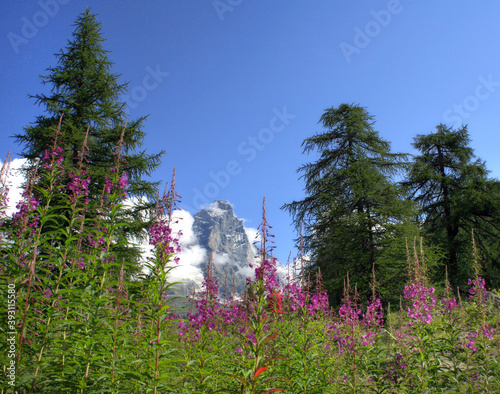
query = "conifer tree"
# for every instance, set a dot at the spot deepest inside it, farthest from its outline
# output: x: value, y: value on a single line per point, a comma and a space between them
x: 352, y: 207
x: 87, y: 95
x: 456, y: 196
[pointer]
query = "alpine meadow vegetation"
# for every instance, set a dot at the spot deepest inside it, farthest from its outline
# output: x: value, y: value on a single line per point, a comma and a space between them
x: 392, y: 290
x: 76, y: 327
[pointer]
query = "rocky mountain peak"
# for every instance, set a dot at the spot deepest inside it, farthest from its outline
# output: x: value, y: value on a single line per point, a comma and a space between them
x: 219, y: 231
x: 221, y: 207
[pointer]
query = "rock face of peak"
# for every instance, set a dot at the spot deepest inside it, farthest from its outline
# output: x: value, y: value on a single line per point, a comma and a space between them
x: 219, y: 231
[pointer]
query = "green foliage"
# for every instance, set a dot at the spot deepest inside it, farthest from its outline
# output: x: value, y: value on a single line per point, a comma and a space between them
x: 456, y: 196
x: 352, y: 209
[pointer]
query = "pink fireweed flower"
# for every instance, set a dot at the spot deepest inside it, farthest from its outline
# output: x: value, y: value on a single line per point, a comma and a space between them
x: 123, y: 181
x: 422, y: 304
x: 471, y: 341
x: 46, y: 155
x: 80, y: 263
x: 25, y: 219
x: 108, y: 186
x: 374, y: 314
x: 295, y: 297
x: 487, y: 331
x: 77, y: 187
x: 477, y: 287
x: 350, y: 314
x: 368, y: 338
x: 267, y: 272
x: 160, y: 236
x: 318, y: 303
x: 59, y: 297
x: 400, y: 335
x: 448, y: 305
x: 210, y: 314
x: 55, y: 156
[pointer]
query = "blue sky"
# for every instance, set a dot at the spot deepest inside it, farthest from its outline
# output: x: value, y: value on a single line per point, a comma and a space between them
x: 233, y: 87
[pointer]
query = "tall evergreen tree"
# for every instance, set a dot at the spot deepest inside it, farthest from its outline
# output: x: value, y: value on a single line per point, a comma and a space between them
x: 456, y: 196
x: 87, y: 95
x: 352, y: 207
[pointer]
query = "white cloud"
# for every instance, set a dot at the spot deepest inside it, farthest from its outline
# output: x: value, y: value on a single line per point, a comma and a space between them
x: 252, y: 234
x: 282, y: 270
x: 247, y: 272
x: 185, y: 271
x: 183, y: 221
x: 192, y: 254
x: 14, y: 181
x: 220, y: 258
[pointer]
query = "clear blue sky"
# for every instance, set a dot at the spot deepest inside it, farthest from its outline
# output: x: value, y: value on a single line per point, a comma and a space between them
x: 218, y: 77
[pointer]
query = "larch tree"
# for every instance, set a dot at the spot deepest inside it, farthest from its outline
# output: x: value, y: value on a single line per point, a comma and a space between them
x: 86, y: 93
x: 352, y: 207
x: 456, y: 196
